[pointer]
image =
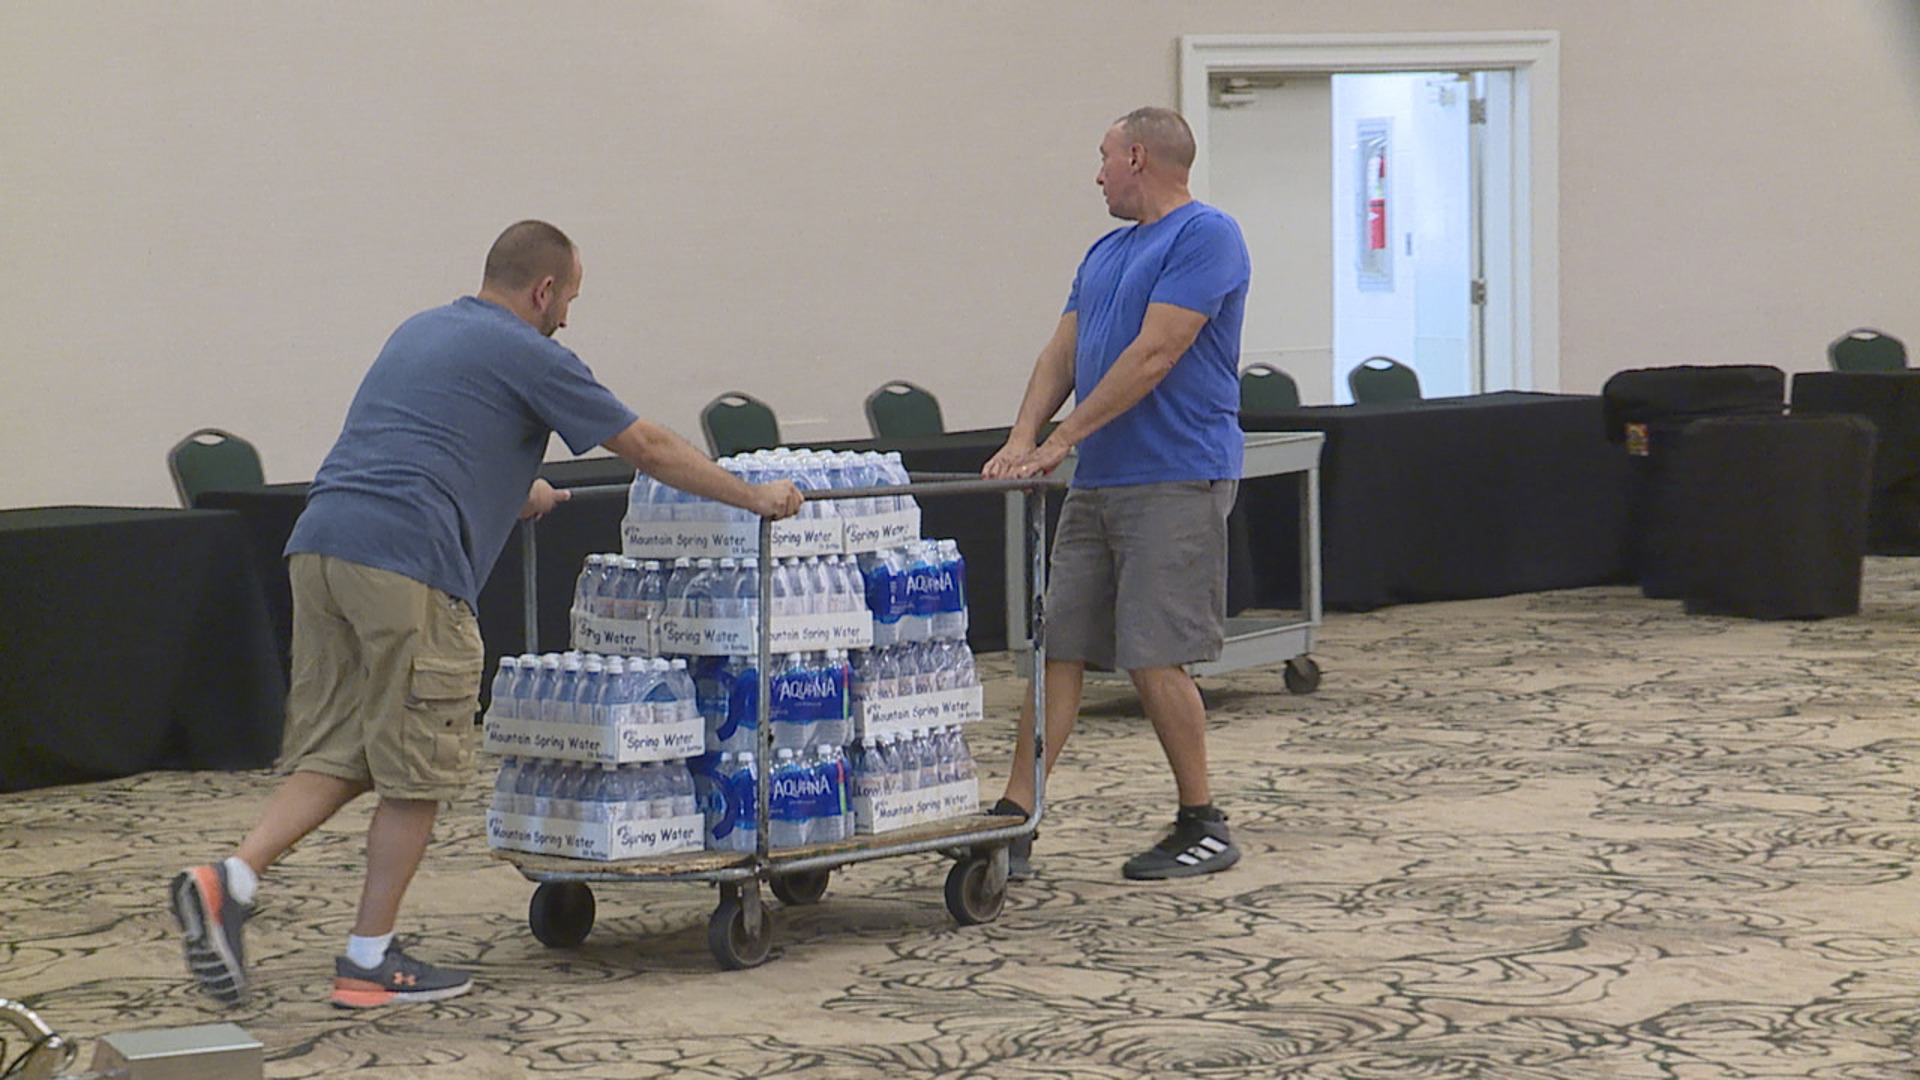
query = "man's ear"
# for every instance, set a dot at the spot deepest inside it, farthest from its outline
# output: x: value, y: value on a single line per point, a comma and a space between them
x: 543, y: 293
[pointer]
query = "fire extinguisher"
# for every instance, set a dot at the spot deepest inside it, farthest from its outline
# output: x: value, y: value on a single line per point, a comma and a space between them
x: 1377, y: 201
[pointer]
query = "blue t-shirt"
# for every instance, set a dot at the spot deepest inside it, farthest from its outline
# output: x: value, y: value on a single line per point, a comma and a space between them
x: 443, y: 441
x: 1187, y: 427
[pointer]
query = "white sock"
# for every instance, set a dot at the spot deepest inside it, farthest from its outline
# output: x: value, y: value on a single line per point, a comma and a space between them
x: 241, y: 880
x: 367, y: 952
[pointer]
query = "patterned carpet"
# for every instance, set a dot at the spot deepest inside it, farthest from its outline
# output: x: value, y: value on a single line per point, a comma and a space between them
x: 1565, y: 835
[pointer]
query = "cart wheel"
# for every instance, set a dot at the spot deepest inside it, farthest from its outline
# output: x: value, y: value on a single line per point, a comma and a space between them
x: 561, y: 913
x: 974, y: 895
x: 733, y: 946
x: 1303, y: 675
x: 805, y: 887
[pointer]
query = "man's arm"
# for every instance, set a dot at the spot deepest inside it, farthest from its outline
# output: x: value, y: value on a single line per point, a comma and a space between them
x: 673, y: 460
x: 1166, y: 334
x: 1047, y: 390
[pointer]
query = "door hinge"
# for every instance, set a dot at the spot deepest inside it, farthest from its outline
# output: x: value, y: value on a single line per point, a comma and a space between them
x: 1479, y: 295
x: 1477, y: 110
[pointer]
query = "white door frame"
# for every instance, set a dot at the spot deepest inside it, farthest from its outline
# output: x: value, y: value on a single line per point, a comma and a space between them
x: 1534, y: 58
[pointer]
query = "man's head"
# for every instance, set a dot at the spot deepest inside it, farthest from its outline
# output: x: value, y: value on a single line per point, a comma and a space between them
x: 1144, y: 161
x: 533, y: 270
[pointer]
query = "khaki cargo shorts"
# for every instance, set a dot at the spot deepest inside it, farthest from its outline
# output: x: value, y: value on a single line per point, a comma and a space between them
x: 386, y: 680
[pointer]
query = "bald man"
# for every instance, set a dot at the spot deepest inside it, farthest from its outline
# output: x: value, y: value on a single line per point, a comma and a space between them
x: 438, y: 456
x: 1149, y: 347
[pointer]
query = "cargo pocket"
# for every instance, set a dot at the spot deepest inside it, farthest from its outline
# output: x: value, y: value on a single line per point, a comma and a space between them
x: 442, y: 697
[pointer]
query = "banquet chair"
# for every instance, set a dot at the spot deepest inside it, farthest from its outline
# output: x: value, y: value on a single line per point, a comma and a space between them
x: 737, y: 421
x: 1867, y: 349
x: 1378, y: 378
x: 1265, y: 389
x: 900, y: 409
x: 213, y: 460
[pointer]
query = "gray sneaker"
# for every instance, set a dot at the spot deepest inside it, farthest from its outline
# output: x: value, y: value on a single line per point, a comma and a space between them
x: 210, y: 920
x: 1194, y: 846
x: 399, y: 979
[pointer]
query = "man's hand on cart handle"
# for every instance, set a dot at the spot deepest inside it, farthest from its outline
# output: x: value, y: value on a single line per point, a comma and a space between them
x: 776, y: 500
x: 542, y: 498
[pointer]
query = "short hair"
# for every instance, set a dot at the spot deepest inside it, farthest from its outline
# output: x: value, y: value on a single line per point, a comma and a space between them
x: 1162, y: 131
x: 527, y: 252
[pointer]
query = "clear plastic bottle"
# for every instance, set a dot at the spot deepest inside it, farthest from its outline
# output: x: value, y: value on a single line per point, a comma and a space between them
x: 950, y: 615
x: 650, y: 591
x: 686, y: 697
x: 501, y: 704
x: 622, y: 590
x: 524, y: 780
x: 676, y: 588
x: 744, y: 797
x: 787, y: 809
x: 504, y: 800
x: 680, y: 782
x: 557, y: 708
x: 588, y: 585
x: 741, y: 729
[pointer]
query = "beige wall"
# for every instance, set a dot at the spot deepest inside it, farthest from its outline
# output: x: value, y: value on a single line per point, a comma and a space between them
x: 214, y: 211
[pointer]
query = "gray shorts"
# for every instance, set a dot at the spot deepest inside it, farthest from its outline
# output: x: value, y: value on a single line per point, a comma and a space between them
x: 1138, y: 577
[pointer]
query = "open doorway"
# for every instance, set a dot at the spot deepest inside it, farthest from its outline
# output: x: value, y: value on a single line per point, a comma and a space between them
x: 1390, y: 209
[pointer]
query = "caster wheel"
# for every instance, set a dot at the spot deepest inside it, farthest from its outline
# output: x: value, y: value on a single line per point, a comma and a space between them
x: 561, y: 913
x: 727, y: 935
x: 1303, y: 675
x: 974, y: 895
x: 806, y: 887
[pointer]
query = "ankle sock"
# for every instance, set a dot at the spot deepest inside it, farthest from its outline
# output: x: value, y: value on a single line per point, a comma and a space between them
x: 1008, y: 808
x: 1208, y: 812
x: 242, y: 882
x: 368, y: 952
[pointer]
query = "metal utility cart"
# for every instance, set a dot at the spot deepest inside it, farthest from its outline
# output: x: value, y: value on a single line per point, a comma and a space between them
x: 740, y: 932
x: 1250, y: 642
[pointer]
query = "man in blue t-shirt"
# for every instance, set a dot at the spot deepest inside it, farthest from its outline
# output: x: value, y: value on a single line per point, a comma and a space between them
x: 1150, y: 348
x: 438, y: 456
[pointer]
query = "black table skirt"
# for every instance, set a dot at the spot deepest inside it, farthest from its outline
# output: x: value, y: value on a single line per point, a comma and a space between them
x: 1448, y: 499
x: 1890, y: 400
x: 134, y: 639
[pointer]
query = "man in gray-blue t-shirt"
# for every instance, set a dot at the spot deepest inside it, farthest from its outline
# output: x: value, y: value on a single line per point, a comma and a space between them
x: 437, y: 458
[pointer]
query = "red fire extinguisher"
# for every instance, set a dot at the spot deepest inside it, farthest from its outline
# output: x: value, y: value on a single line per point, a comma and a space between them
x: 1377, y: 201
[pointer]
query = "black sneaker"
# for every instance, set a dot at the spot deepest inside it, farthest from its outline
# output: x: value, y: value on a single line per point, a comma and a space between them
x: 1020, y: 848
x: 1195, y: 845
x: 211, y: 919
x: 399, y: 979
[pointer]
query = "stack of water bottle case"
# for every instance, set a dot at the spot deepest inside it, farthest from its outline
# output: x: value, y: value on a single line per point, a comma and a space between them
x: 643, y: 740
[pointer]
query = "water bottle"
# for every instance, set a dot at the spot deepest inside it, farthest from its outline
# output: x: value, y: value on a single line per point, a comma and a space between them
x: 662, y: 693
x: 929, y: 758
x: 712, y: 688
x: 635, y: 807
x: 524, y: 780
x: 502, y: 706
x: 586, y: 699
x: 556, y: 707
x: 686, y: 697
x: 835, y: 821
x: 686, y: 802
x: 877, y: 571
x: 787, y: 809
x: 600, y: 797
x: 504, y: 800
x: 662, y: 798
x: 916, y: 622
x: 794, y: 704
x: 621, y: 587
x: 540, y: 687
x: 869, y: 774
x: 950, y: 613
x: 900, y: 779
x: 724, y: 600
x: 896, y: 473
x: 650, y: 591
x: 699, y: 593
x: 711, y: 776
x: 835, y: 721
x: 588, y: 586
x: 741, y: 730
x: 744, y: 797
x: 746, y: 589
x: 678, y: 579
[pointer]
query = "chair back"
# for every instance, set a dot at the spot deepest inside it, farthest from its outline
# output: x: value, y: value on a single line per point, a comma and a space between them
x: 1265, y: 388
x: 1867, y: 349
x: 736, y: 422
x: 1378, y: 378
x: 213, y: 460
x: 899, y: 409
